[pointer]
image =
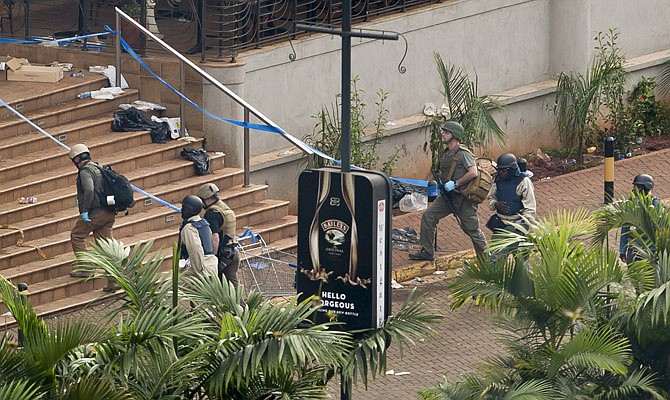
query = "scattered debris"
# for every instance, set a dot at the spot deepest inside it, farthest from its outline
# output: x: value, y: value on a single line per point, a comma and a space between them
x: 27, y: 200
x: 396, y: 285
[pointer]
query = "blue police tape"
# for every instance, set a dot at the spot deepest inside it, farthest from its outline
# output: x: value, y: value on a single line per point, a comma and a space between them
x: 18, y: 114
x: 249, y: 125
x: 18, y: 41
x: 413, y: 182
x: 67, y: 148
x: 56, y: 41
x: 162, y: 202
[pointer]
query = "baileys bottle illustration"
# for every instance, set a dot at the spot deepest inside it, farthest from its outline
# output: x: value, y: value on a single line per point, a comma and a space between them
x: 333, y: 244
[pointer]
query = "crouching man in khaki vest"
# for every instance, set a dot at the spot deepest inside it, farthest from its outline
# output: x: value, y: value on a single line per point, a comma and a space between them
x: 222, y: 221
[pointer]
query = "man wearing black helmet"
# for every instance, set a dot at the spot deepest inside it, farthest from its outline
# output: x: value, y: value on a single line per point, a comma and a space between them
x: 457, y: 168
x: 223, y: 223
x: 94, y: 218
x: 195, y: 240
x: 642, y: 186
x: 512, y: 196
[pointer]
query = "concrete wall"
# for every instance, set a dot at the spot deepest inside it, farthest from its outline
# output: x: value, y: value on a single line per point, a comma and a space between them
x: 516, y: 48
x: 508, y: 43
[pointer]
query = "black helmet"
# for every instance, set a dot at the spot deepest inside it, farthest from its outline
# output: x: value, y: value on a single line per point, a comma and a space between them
x: 191, y: 205
x: 507, y: 161
x: 644, y: 182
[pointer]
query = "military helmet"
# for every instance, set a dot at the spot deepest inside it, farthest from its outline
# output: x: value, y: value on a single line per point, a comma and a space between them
x: 644, y: 181
x: 78, y: 150
x: 207, y: 190
x: 506, y: 161
x: 455, y: 128
x: 191, y: 205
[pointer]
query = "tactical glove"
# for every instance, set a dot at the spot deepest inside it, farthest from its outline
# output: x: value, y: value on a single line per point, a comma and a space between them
x: 449, y: 186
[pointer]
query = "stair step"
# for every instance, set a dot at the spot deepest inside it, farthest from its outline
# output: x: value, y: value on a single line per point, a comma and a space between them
x: 56, y: 170
x: 149, y: 179
x: 22, y: 94
x: 146, y: 220
x: 50, y: 117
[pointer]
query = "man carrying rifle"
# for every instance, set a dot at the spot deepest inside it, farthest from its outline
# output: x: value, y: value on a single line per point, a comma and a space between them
x: 457, y: 168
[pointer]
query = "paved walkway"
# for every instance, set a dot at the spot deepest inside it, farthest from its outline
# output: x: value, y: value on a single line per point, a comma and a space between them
x: 466, y: 337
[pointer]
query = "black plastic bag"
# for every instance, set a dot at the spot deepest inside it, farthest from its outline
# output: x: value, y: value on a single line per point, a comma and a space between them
x: 200, y: 160
x: 133, y: 119
x: 400, y: 190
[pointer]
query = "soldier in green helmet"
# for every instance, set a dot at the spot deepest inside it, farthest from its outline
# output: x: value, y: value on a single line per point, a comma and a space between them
x: 457, y: 168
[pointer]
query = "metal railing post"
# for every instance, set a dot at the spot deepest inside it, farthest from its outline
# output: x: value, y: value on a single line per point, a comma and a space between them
x: 182, y: 102
x: 246, y: 149
x: 117, y: 47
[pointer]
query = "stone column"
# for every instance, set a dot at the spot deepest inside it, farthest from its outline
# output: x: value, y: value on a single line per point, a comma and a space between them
x: 222, y: 136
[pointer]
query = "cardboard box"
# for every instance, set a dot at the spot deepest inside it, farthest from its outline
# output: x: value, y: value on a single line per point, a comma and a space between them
x: 35, y: 73
x: 13, y: 63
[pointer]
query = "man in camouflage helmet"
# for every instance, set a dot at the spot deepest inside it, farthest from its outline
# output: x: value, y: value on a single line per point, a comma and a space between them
x: 452, y: 202
x: 94, y: 217
x: 222, y: 220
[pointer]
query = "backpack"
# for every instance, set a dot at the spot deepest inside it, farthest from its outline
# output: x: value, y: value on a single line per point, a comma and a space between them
x: 117, y: 194
x: 478, y: 188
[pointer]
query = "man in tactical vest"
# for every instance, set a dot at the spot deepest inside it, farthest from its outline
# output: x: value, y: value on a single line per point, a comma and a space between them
x: 451, y: 201
x: 195, y: 240
x: 94, y: 217
x: 642, y: 186
x: 222, y: 221
x: 512, y: 196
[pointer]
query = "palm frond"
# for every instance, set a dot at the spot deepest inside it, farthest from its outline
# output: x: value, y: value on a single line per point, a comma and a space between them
x: 20, y: 390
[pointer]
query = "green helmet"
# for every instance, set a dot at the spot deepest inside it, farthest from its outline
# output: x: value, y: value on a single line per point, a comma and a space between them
x: 455, y: 128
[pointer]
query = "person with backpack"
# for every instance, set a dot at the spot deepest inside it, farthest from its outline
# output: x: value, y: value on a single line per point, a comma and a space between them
x: 642, y: 186
x: 195, y: 240
x: 512, y: 197
x: 457, y: 168
x: 223, y: 223
x: 94, y: 216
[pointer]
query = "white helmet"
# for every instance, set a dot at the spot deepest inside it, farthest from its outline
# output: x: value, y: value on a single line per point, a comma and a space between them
x: 207, y: 190
x: 77, y: 150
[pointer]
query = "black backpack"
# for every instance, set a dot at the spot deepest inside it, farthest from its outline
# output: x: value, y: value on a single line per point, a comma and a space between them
x: 116, y: 190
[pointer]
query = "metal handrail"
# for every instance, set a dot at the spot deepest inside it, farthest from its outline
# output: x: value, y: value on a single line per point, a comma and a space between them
x: 185, y: 61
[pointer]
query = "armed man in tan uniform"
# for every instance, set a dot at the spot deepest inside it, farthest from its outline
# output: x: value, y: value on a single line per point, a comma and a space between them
x: 451, y: 201
x: 223, y: 223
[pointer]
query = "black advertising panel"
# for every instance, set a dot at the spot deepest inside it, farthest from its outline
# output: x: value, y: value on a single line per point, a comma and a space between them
x: 344, y: 252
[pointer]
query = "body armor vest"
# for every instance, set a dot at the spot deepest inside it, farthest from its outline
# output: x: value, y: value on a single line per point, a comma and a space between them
x: 506, y: 192
x: 229, y: 227
x: 205, y: 237
x: 94, y: 169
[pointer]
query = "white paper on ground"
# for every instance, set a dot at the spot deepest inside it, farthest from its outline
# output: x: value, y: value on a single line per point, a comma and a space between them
x: 110, y: 73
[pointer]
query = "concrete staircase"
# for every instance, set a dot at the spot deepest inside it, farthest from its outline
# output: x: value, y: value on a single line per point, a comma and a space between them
x: 32, y: 164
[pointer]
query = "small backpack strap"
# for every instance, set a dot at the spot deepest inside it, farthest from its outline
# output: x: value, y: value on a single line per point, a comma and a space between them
x: 452, y: 166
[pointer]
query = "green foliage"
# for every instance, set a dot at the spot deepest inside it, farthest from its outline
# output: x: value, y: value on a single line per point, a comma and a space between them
x: 213, y: 343
x: 642, y: 116
x: 364, y: 138
x: 466, y: 107
x: 565, y: 312
x: 581, y: 99
x: 132, y: 8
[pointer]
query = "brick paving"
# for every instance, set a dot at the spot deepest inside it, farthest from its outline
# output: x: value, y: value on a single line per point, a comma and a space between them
x: 466, y: 337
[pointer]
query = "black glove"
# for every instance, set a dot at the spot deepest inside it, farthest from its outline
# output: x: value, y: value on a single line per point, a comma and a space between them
x: 228, y: 252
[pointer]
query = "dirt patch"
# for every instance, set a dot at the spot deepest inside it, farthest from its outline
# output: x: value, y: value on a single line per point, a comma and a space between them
x: 544, y: 166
